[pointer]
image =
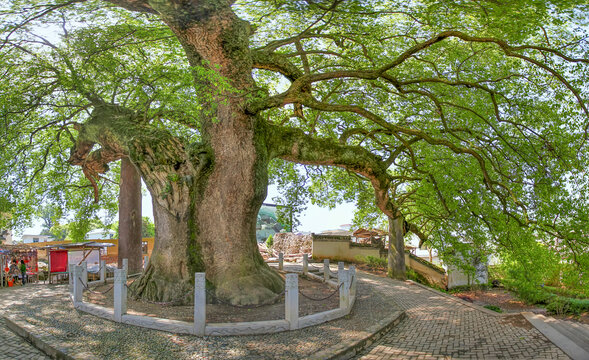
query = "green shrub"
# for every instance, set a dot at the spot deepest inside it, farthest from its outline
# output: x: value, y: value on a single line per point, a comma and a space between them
x: 269, y: 241
x: 415, y: 276
x: 531, y: 294
x: 376, y: 262
x: 566, y: 292
x: 562, y: 305
x: 493, y: 308
x: 373, y: 262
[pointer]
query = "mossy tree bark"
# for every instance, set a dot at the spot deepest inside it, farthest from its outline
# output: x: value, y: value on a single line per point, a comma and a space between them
x: 396, y: 250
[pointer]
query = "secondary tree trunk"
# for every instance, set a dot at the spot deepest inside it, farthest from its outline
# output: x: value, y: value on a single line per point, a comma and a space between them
x: 130, y: 217
x: 396, y: 253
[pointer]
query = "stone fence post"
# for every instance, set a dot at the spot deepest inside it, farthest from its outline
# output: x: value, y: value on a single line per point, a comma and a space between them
x: 291, y: 302
x: 280, y: 261
x: 120, y: 294
x: 70, y: 271
x: 126, y: 265
x: 77, y: 281
x: 145, y: 262
x: 103, y: 271
x: 200, y: 303
x: 85, y: 272
x: 305, y: 264
x: 340, y: 268
x: 353, y: 280
x: 344, y: 289
x: 326, y: 269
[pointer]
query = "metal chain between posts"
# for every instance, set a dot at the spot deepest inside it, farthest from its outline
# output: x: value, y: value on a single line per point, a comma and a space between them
x: 92, y: 291
x: 164, y: 303
x: 322, y: 299
x: 269, y: 302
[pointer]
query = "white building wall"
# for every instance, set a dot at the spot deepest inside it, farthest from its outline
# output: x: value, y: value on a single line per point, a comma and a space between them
x: 29, y: 239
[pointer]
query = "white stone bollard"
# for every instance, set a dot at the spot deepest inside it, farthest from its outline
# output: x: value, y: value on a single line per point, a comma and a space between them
x: 200, y: 303
x: 340, y: 268
x: 103, y: 271
x: 280, y: 261
x: 305, y: 264
x: 84, y: 272
x: 78, y: 289
x: 145, y: 262
x: 344, y: 290
x: 326, y: 269
x: 126, y: 265
x: 120, y: 294
x: 70, y: 271
x: 291, y: 302
x: 352, y: 281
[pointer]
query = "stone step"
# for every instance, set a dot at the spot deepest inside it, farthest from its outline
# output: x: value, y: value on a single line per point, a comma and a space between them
x: 572, y: 338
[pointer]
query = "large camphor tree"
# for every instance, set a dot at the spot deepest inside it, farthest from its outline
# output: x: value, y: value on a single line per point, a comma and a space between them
x: 470, y: 113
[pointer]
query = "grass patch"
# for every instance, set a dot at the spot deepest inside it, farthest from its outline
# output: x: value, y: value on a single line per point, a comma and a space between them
x: 493, y: 308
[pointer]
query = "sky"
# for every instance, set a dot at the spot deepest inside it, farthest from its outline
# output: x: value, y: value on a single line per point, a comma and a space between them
x: 314, y: 219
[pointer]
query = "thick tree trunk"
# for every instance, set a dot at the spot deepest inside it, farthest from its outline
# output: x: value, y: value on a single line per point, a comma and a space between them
x: 206, y: 196
x: 130, y: 217
x: 396, y: 253
x: 206, y: 219
x: 227, y: 213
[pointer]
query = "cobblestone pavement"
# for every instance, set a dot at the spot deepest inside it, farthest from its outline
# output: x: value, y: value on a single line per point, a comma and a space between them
x: 438, y: 327
x: 46, y: 312
x: 12, y: 346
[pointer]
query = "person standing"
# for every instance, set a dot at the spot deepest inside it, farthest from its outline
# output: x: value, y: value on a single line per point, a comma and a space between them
x: 13, y: 271
x: 23, y: 271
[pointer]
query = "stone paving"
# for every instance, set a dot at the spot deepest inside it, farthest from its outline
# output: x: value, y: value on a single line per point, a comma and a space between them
x: 439, y: 327
x: 13, y: 346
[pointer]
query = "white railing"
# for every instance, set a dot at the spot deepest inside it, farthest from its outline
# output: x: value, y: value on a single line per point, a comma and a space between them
x: 346, y: 285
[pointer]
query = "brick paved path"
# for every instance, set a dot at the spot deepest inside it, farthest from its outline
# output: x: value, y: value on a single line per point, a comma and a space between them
x: 12, y: 346
x: 438, y: 327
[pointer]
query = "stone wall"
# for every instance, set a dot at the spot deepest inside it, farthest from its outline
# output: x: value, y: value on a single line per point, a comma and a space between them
x: 341, y: 248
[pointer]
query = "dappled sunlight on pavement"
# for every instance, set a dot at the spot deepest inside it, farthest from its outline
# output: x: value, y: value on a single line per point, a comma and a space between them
x: 438, y: 327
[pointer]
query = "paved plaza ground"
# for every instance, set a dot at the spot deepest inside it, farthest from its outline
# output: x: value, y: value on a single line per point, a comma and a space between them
x: 436, y: 327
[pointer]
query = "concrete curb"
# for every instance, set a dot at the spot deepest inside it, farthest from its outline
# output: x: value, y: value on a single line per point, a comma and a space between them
x: 564, y: 343
x: 463, y: 302
x: 348, y: 349
x: 36, y: 341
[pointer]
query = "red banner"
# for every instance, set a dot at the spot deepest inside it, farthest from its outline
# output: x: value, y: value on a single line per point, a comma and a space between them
x: 58, y: 260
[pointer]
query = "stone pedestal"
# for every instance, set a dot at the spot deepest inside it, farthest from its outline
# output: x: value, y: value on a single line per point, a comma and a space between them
x: 85, y: 272
x: 291, y: 302
x: 344, y: 289
x: 126, y: 265
x: 77, y: 282
x: 353, y: 280
x: 326, y: 269
x: 340, y: 268
x: 120, y: 294
x: 305, y: 264
x: 103, y: 271
x: 200, y: 303
x: 280, y: 261
x: 70, y: 271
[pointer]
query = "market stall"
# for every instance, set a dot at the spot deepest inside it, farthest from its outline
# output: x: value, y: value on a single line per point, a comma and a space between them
x: 61, y: 256
x: 8, y: 253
